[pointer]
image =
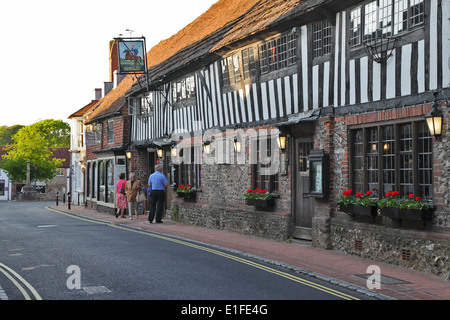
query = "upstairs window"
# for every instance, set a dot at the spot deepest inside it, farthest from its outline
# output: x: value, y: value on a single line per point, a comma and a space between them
x: 321, y: 38
x: 384, y: 18
x: 111, y: 131
x: 278, y: 53
x: 231, y: 70
x: 183, y: 89
x: 143, y: 105
x: 249, y: 63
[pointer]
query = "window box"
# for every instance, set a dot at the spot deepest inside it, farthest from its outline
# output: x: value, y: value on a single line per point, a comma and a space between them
x: 365, y: 211
x: 190, y: 196
x: 406, y: 214
x: 264, y: 204
x: 347, y: 208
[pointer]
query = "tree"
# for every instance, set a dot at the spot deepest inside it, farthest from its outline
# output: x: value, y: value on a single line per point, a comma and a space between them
x: 56, y: 132
x: 35, y: 143
x: 6, y: 134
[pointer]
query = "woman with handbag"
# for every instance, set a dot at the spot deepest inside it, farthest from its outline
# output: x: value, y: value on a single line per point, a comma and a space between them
x: 132, y: 188
x: 121, y: 201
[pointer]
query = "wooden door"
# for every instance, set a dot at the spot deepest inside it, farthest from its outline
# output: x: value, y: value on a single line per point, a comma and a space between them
x: 303, y: 203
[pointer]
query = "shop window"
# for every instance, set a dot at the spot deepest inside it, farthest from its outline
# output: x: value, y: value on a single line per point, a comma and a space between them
x: 102, y: 181
x: 110, y: 188
x: 88, y: 180
x: 94, y: 180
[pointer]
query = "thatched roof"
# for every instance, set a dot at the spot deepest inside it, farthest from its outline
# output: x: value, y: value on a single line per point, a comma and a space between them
x: 225, y: 23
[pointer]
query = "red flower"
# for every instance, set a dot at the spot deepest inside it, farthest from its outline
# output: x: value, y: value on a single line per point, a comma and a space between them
x: 181, y: 186
x: 418, y: 198
x: 389, y: 194
x: 411, y: 195
x: 347, y: 193
x: 249, y: 190
x: 359, y: 194
x: 395, y: 193
x: 368, y: 193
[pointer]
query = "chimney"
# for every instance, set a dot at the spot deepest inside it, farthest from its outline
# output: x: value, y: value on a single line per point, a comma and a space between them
x: 108, y: 87
x: 113, y: 59
x: 98, y: 93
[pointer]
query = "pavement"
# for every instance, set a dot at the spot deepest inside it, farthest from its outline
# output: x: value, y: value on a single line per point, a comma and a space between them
x: 397, y: 283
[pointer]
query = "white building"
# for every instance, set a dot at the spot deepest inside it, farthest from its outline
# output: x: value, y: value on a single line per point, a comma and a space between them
x: 78, y: 150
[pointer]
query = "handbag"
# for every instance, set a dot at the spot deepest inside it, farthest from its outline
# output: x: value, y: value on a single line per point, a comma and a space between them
x: 141, y: 197
x: 122, y: 190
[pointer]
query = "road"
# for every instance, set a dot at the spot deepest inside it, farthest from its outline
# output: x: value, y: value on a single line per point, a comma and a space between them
x: 50, y: 256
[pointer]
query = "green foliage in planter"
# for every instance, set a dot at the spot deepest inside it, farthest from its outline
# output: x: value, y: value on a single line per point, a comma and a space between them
x: 257, y: 194
x: 367, y: 200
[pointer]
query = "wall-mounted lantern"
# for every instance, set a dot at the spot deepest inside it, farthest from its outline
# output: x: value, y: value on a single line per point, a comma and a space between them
x: 237, y: 145
x: 282, y: 142
x: 160, y: 152
x: 207, y: 147
x: 173, y: 150
x: 434, y: 121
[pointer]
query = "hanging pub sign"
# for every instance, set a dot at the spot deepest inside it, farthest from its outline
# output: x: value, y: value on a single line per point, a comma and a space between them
x: 131, y: 54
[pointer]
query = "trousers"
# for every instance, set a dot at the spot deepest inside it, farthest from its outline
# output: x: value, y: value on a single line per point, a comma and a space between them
x: 157, y: 199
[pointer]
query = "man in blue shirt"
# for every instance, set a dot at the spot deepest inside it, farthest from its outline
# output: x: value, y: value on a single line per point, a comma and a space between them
x: 157, y: 182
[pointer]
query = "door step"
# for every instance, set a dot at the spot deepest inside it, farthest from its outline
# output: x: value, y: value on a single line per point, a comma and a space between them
x: 303, y: 233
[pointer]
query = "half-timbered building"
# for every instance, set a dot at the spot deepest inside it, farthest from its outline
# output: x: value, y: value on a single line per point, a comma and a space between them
x: 347, y: 83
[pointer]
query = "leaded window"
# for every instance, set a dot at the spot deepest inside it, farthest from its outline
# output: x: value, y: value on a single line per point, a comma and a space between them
x: 183, y: 89
x: 278, y: 53
x: 264, y: 178
x: 384, y: 18
x: 322, y: 37
x: 231, y: 70
x: 394, y: 157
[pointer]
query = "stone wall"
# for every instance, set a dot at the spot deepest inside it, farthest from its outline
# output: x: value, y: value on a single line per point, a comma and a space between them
x: 398, y: 245
x: 423, y: 246
x: 220, y: 203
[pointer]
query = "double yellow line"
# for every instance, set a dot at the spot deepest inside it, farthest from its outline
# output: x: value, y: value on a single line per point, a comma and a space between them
x: 247, y: 262
x: 229, y: 256
x: 19, y: 282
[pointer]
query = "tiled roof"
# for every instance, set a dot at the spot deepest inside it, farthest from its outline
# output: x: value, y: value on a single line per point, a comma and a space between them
x: 84, y: 110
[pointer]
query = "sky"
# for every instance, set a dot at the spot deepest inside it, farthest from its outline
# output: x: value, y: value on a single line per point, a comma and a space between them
x: 54, y: 53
